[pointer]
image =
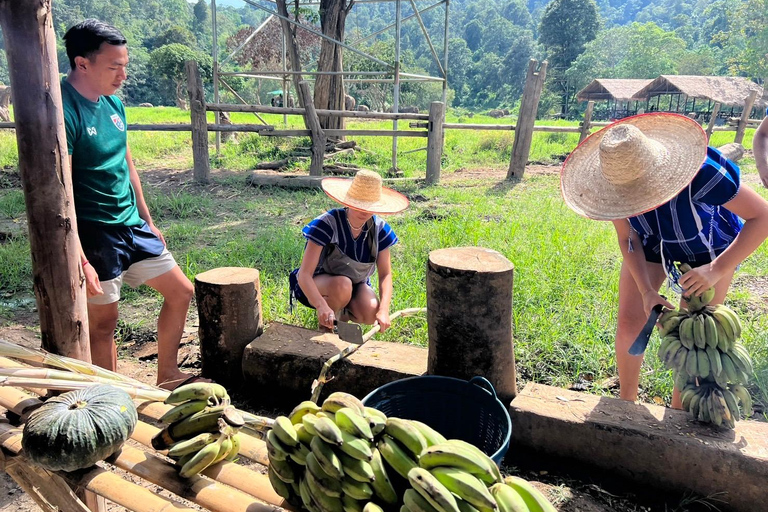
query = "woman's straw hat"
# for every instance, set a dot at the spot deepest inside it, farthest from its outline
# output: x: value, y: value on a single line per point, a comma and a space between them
x: 364, y: 192
x: 633, y: 166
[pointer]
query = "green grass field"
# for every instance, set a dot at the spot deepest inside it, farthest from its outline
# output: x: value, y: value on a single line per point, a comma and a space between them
x: 566, y: 267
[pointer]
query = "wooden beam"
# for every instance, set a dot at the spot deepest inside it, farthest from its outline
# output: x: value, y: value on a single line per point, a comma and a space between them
x: 435, y: 135
x: 30, y: 46
x: 225, y: 107
x: 586, y: 124
x: 529, y: 105
x: 745, y: 117
x: 202, y: 165
x: 319, y: 136
x: 712, y: 118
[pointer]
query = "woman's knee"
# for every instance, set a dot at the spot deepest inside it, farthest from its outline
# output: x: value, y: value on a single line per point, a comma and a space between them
x: 339, y: 291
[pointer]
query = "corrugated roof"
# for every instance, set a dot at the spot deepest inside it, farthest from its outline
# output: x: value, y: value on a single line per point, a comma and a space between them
x: 612, y: 89
x: 728, y: 90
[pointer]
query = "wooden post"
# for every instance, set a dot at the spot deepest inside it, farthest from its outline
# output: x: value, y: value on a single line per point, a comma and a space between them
x: 745, y: 117
x: 521, y: 147
x: 586, y: 125
x: 59, y: 284
x: 202, y: 165
x: 712, y: 118
x: 229, y: 307
x: 469, y: 315
x: 313, y: 123
x: 435, y: 135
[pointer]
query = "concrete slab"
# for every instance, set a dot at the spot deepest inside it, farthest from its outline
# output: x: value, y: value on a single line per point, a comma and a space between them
x: 646, y: 443
x: 280, y: 365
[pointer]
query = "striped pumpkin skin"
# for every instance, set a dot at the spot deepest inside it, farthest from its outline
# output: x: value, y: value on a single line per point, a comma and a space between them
x: 79, y: 428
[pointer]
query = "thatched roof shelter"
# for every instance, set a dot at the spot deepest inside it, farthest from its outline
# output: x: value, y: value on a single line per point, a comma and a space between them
x: 617, y: 89
x: 726, y: 90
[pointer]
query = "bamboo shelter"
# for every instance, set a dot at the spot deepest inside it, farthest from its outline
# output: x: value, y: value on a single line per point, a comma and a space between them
x: 618, y: 93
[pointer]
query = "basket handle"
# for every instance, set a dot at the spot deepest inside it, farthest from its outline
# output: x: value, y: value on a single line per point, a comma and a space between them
x: 484, y: 383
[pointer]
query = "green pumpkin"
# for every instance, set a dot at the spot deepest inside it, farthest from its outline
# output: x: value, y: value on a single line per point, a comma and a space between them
x: 78, y: 428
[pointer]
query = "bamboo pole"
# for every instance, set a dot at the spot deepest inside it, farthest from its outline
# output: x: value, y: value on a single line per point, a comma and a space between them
x: 30, y: 46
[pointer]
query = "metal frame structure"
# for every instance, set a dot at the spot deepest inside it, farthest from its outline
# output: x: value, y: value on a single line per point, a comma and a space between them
x: 393, y: 74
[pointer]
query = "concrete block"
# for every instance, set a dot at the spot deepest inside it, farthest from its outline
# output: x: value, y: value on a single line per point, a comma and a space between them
x: 648, y: 444
x: 280, y: 365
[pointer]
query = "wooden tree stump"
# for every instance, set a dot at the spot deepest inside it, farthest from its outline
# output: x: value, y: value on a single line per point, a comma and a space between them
x: 229, y: 307
x: 469, y: 314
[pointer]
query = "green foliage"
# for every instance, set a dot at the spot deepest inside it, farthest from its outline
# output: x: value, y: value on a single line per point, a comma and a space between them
x: 566, y: 27
x: 168, y: 63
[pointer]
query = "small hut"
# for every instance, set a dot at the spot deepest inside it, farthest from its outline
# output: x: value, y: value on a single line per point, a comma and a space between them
x: 679, y: 93
x: 619, y: 94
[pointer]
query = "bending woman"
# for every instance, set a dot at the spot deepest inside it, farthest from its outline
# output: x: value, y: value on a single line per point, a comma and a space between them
x: 345, y: 247
x: 671, y: 199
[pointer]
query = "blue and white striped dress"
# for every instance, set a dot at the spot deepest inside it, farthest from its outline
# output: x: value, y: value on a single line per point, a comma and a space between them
x: 694, y: 226
x: 332, y: 227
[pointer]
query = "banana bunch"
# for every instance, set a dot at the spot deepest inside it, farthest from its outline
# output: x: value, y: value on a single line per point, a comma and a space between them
x: 709, y: 364
x: 201, y: 429
x: 710, y: 403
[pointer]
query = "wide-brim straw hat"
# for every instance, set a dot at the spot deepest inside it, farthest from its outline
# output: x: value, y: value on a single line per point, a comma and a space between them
x: 365, y: 192
x: 633, y: 166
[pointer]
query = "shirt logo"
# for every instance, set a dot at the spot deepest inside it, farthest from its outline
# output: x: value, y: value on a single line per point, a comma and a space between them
x: 118, y: 122
x: 91, y: 131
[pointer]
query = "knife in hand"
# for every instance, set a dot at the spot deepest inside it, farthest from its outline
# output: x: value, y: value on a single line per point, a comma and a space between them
x: 641, y: 342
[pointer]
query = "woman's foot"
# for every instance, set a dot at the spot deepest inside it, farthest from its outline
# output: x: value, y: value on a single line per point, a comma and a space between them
x: 185, y: 378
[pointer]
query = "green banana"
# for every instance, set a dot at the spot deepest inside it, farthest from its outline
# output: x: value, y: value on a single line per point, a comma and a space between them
x: 686, y: 332
x: 198, y: 391
x: 714, y: 411
x: 671, y: 352
x: 192, y: 445
x: 284, y: 471
x: 407, y: 435
x: 370, y: 411
x: 183, y: 410
x: 455, y: 455
x: 531, y: 496
x: 669, y: 321
x: 328, y: 431
x: 732, y: 403
x: 466, y: 487
x: 235, y: 450
x: 327, y: 458
x: 699, y: 335
x: 376, y: 424
x: 306, y: 496
x: 355, y: 447
x: 372, y: 507
x: 356, y: 490
x: 350, y: 420
x: 356, y: 469
x: 309, y: 420
x: 733, y: 374
x: 285, y: 432
x: 733, y: 319
x: 320, y: 479
x: 692, y: 363
x: 416, y: 502
x: 465, y: 507
x: 303, y: 434
x: 726, y: 321
x: 481, y: 456
x: 206, y: 420
x: 201, y: 460
x: 508, y: 499
x: 745, y: 400
x: 724, y: 342
x: 350, y: 504
x: 715, y: 363
x: 226, y: 445
x: 710, y: 329
x: 742, y: 358
x: 282, y: 488
x: 431, y: 435
x: 686, y: 396
x: 704, y: 408
x: 695, y: 403
x: 382, y: 485
x: 305, y: 407
x: 339, y: 399
x: 299, y: 454
x: 325, y: 502
x: 681, y: 380
x: 396, y: 456
x: 703, y: 363
x: 430, y: 488
x: 275, y: 448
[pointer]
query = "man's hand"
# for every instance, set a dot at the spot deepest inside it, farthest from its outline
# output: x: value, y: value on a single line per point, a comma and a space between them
x: 157, y: 232
x: 92, y: 284
x: 651, y: 298
x: 382, y: 317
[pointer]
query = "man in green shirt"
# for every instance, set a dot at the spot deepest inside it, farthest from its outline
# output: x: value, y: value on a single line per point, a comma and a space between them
x: 119, y: 241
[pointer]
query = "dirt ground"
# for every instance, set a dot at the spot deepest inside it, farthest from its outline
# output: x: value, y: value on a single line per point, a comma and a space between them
x: 571, y: 490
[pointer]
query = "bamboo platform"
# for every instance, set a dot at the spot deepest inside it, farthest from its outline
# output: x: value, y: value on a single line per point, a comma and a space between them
x: 224, y: 487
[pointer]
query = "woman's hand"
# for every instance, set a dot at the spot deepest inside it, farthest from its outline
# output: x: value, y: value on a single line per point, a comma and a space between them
x: 700, y: 279
x: 325, y: 316
x: 382, y: 317
x: 92, y: 284
x: 651, y: 298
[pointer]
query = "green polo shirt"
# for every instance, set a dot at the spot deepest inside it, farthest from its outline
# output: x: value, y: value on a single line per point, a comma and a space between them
x: 97, y: 141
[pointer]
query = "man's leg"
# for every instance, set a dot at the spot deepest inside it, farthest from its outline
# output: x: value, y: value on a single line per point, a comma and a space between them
x: 177, y: 292
x: 102, y: 321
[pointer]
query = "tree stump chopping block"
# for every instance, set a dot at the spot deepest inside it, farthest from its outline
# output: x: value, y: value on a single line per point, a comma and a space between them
x: 229, y: 307
x: 469, y: 316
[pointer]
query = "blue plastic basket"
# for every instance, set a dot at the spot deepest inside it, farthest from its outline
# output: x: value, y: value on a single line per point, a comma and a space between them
x: 456, y: 408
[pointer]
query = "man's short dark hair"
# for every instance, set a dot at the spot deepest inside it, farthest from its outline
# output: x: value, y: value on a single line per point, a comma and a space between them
x: 85, y: 38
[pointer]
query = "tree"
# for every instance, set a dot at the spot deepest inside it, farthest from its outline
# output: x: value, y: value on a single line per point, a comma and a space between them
x: 517, y: 12
x: 167, y: 63
x: 749, y: 38
x: 566, y: 27
x: 473, y: 34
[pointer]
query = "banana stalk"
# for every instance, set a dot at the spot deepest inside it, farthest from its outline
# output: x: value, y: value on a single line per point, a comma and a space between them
x: 319, y: 382
x: 69, y: 385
